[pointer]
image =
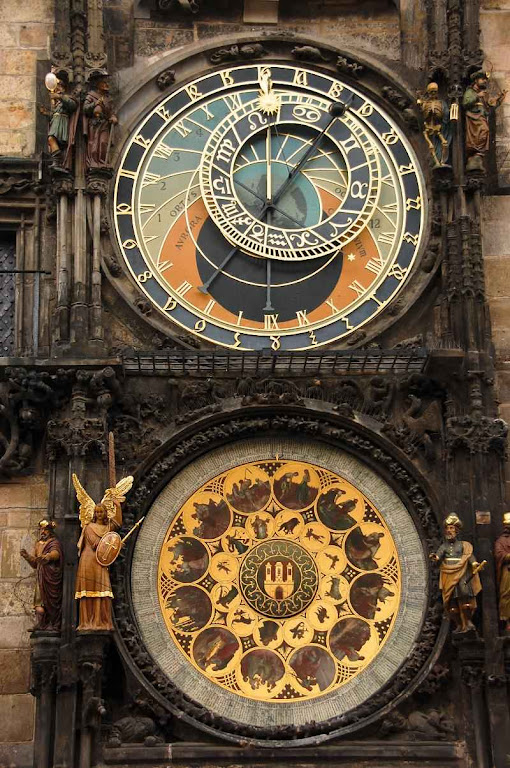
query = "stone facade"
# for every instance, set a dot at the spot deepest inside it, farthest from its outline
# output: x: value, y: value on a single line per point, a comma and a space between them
x: 22, y: 504
x: 24, y: 41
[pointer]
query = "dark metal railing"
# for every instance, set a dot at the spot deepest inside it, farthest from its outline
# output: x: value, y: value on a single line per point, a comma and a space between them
x: 327, y: 363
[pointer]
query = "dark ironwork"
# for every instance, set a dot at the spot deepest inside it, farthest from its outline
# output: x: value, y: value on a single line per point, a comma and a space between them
x: 7, y: 294
x: 278, y: 364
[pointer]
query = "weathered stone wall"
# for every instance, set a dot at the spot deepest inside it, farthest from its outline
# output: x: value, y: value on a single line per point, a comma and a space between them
x: 373, y: 28
x: 25, y: 33
x: 495, y: 28
x: 22, y: 504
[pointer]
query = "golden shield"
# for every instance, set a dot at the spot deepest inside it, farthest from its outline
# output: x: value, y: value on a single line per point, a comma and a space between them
x: 108, y: 548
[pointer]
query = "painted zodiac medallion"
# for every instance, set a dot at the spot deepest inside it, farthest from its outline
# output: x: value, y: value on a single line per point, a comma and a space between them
x: 279, y: 580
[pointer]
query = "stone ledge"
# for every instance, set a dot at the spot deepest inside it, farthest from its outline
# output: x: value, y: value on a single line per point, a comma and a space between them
x: 443, y: 753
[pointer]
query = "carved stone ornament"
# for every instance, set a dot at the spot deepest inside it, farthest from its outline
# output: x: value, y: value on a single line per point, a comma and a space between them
x: 235, y: 52
x: 349, y: 67
x: 330, y: 430
x: 477, y: 434
x: 165, y: 79
x: 309, y: 53
x: 188, y: 6
x: 26, y: 398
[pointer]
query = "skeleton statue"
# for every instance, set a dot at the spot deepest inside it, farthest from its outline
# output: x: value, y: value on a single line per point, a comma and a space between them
x: 93, y: 588
x: 437, y: 127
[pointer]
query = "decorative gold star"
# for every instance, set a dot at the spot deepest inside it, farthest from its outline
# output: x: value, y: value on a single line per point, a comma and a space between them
x: 351, y: 256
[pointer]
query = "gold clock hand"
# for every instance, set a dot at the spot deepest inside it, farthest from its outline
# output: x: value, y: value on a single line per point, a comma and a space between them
x: 204, y: 288
x: 274, y: 207
x: 336, y: 110
x: 269, y: 193
x: 269, y: 307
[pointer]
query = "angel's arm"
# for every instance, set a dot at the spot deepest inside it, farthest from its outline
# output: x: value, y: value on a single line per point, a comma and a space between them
x: 117, y: 519
x: 114, y: 497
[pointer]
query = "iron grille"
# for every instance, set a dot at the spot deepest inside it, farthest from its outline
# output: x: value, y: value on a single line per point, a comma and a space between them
x: 370, y: 361
x: 7, y: 288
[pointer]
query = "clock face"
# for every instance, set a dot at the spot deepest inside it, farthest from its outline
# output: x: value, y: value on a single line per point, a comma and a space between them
x: 269, y: 206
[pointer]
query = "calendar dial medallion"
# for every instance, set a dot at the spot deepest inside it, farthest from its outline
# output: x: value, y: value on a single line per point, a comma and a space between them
x: 269, y: 206
x: 278, y: 581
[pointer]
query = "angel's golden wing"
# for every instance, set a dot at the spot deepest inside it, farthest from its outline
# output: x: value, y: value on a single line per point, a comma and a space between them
x: 117, y: 494
x: 87, y: 504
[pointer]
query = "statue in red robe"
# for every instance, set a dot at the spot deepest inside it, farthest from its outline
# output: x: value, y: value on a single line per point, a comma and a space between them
x: 47, y: 560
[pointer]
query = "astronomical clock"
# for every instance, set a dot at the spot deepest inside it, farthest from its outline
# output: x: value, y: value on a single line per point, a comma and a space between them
x: 269, y: 206
x: 283, y: 587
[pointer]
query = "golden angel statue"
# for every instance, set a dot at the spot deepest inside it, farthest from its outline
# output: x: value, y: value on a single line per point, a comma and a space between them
x: 93, y: 587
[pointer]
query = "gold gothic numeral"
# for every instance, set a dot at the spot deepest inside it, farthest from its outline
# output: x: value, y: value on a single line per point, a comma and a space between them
x: 150, y: 178
x: 275, y: 345
x: 182, y: 129
x: 386, y: 237
x: 270, y: 322
x: 398, y: 272
x: 184, y: 287
x: 302, y: 318
x: 210, y: 306
x: 144, y: 276
x: 171, y: 304
x: 124, y: 208
x: 193, y: 92
x: 357, y: 287
x: 409, y: 238
x: 142, y: 141
x: 226, y: 77
x: 375, y: 265
x: 390, y: 137
x: 366, y: 109
x: 335, y: 90
x: 300, y: 77
x: 163, y: 151
x: 412, y: 204
x: 163, y: 112
x: 200, y: 325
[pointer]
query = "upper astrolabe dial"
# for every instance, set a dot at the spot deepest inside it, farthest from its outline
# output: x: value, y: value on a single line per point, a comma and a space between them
x: 269, y: 206
x: 290, y: 177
